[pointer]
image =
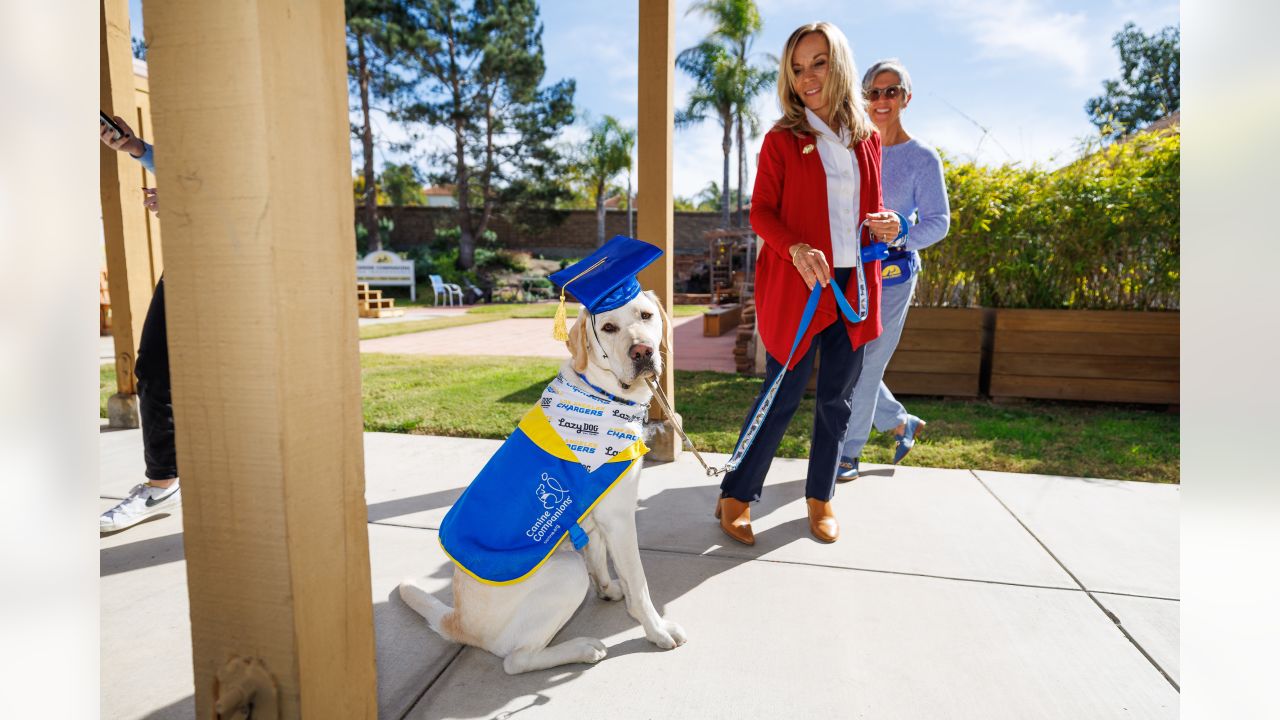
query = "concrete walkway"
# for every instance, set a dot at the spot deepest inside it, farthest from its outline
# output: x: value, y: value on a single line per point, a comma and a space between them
x: 530, y: 337
x: 950, y: 594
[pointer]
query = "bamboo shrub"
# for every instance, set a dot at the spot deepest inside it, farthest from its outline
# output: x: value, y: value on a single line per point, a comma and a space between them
x: 1101, y: 233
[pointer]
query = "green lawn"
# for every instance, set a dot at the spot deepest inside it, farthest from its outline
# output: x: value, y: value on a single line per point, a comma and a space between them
x: 486, y: 396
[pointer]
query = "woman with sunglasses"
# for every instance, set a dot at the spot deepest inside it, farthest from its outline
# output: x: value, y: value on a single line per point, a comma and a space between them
x: 913, y: 183
x: 818, y: 178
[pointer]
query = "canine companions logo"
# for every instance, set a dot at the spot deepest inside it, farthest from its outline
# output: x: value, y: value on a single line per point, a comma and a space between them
x: 555, y: 502
x: 890, y: 271
x: 550, y: 492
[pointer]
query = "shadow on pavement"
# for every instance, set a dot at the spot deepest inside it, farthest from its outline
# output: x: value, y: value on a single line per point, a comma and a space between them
x: 688, y: 513
x: 141, y: 554
x: 180, y: 710
x: 408, y: 506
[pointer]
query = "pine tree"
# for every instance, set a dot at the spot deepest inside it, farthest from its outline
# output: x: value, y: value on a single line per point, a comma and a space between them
x: 478, y: 73
x: 1148, y: 87
x: 376, y: 34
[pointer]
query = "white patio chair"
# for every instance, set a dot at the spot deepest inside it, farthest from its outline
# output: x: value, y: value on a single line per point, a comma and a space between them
x: 450, y: 291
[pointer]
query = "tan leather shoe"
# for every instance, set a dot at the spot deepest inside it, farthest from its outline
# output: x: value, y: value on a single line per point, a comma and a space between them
x: 735, y: 520
x: 822, y: 520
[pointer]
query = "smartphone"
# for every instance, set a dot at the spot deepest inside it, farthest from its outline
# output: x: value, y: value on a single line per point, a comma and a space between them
x: 105, y: 119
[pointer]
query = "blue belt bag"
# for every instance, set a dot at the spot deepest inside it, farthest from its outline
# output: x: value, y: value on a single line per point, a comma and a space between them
x: 896, y: 264
x: 896, y: 269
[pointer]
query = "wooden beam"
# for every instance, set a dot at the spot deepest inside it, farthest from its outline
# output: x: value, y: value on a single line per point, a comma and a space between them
x: 142, y: 125
x: 249, y: 101
x: 124, y: 219
x: 655, y: 128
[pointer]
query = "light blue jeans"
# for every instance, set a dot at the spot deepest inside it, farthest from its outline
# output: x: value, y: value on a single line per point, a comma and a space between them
x: 871, y: 399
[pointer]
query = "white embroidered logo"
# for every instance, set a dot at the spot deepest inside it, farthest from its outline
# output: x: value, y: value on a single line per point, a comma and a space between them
x: 550, y: 492
x: 556, y: 502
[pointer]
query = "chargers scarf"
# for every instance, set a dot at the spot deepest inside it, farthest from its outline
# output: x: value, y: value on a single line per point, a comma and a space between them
x: 566, y: 454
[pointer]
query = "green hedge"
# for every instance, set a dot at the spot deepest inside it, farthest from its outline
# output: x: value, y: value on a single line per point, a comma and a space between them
x: 1101, y: 233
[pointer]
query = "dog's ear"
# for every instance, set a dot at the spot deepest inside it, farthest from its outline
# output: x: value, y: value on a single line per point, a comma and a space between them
x: 666, y: 320
x: 577, y: 342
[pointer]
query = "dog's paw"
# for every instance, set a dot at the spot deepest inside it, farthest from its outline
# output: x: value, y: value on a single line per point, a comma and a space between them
x: 667, y: 635
x: 611, y: 592
x: 593, y: 650
x: 676, y: 632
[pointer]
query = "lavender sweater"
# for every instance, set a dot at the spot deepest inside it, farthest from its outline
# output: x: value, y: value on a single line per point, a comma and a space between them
x: 911, y: 175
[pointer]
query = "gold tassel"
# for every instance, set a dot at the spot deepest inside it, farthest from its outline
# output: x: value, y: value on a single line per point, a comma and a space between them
x: 560, y: 330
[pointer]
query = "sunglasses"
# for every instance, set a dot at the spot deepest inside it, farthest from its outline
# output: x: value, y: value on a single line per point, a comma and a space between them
x: 893, y: 92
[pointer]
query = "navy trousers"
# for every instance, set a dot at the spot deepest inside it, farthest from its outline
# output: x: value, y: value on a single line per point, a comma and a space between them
x: 155, y: 402
x: 840, y: 368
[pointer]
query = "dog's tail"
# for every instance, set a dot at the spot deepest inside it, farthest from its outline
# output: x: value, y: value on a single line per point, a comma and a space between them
x: 439, y: 616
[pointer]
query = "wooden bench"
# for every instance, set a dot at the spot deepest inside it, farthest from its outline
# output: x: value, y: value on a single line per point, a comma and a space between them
x: 720, y: 320
x: 387, y: 269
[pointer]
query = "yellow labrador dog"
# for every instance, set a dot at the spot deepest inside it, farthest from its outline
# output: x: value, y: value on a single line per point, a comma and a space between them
x: 518, y: 621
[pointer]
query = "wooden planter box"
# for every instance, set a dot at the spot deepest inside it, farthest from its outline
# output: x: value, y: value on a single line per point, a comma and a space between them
x: 940, y: 353
x: 720, y: 320
x: 1108, y: 356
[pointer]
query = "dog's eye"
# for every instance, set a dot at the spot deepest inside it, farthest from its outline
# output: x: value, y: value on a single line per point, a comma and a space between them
x: 646, y: 315
x: 610, y: 328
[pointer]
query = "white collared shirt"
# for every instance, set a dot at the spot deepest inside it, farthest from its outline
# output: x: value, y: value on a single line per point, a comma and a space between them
x: 843, y: 191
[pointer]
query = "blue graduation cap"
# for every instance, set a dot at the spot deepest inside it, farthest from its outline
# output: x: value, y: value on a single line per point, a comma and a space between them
x: 605, y: 279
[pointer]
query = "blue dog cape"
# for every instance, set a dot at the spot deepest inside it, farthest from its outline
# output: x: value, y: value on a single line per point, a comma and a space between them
x: 542, y: 482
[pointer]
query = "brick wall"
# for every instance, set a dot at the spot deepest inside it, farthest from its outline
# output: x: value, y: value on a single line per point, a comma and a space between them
x: 573, y: 239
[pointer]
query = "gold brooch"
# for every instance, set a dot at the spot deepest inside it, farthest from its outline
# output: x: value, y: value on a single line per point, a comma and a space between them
x: 807, y: 149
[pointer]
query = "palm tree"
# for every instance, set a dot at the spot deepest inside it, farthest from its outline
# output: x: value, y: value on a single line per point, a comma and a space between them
x: 606, y: 152
x: 713, y: 69
x: 736, y: 24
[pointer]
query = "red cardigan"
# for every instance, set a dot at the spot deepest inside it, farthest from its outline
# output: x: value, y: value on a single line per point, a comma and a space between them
x: 789, y: 205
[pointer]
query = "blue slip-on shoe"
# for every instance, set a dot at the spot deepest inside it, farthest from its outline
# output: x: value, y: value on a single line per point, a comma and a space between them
x: 847, y: 469
x: 907, y: 440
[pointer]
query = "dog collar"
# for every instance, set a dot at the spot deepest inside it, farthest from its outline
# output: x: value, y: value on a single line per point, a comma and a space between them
x: 606, y: 393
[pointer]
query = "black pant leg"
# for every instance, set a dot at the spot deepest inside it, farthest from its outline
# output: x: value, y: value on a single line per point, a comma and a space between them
x: 746, y: 482
x: 155, y: 401
x: 837, y: 375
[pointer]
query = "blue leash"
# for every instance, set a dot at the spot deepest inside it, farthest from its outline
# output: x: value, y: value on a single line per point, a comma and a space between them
x: 874, y: 251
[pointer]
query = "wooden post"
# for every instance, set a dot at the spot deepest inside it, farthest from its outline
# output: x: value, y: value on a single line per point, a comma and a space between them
x: 655, y: 126
x: 123, y: 217
x: 249, y: 101
x: 141, y: 123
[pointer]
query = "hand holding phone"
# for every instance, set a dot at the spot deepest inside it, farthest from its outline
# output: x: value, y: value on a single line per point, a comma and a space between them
x: 107, y: 120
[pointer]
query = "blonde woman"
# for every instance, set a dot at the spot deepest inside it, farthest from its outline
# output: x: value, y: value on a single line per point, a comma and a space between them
x: 818, y: 178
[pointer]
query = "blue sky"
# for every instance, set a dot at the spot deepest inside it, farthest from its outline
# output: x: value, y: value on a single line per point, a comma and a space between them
x: 1022, y: 69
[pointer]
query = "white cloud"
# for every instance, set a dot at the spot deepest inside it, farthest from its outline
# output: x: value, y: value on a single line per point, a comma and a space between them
x: 1012, y: 29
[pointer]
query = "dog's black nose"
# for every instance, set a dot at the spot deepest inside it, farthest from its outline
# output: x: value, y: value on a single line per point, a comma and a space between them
x: 641, y: 352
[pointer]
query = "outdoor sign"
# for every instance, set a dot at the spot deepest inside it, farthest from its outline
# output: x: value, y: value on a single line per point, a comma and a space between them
x: 383, y: 267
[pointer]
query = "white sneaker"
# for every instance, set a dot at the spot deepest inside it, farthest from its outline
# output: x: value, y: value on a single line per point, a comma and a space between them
x: 143, y: 502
